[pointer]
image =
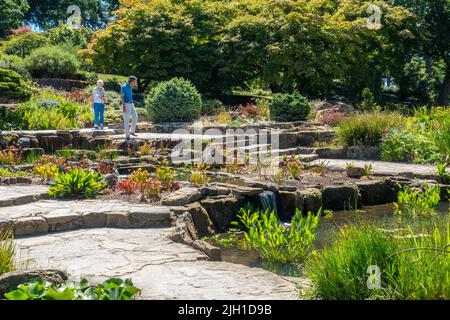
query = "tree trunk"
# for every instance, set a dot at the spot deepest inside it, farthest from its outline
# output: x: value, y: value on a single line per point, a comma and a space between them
x: 444, y: 90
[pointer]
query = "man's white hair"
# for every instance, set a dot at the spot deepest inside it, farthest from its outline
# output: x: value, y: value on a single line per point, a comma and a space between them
x: 100, y: 82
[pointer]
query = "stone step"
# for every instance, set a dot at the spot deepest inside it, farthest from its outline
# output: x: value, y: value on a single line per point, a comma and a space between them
x: 53, y: 215
x: 15, y: 195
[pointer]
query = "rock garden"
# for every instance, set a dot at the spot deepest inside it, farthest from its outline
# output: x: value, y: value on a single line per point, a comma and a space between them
x: 260, y: 191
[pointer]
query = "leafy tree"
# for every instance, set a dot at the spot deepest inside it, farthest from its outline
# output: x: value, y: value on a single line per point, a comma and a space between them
x: 435, y: 24
x: 157, y: 41
x: 11, y: 15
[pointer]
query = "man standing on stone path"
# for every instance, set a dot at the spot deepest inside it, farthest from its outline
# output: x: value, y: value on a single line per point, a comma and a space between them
x: 126, y: 96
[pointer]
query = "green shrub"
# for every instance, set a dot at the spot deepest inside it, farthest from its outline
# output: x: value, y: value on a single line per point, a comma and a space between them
x: 52, y: 62
x: 441, y: 136
x: 174, y: 100
x: 77, y: 182
x: 276, y: 242
x: 411, y: 266
x: 289, y: 107
x: 367, y: 129
x: 417, y: 202
x: 412, y: 145
x: 40, y: 289
x: 211, y: 107
x: 23, y: 44
x: 49, y: 111
x: 15, y: 63
x: 398, y: 146
x: 13, y: 87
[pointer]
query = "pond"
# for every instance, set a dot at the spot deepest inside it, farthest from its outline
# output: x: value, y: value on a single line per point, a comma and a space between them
x: 381, y: 216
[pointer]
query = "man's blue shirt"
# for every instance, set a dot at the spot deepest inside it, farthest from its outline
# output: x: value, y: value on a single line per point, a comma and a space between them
x: 127, y: 92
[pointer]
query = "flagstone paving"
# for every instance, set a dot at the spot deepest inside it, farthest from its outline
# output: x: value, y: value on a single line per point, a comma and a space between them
x: 161, y: 268
x: 382, y: 168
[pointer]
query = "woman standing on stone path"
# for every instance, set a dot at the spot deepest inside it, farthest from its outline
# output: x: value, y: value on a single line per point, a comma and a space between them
x: 98, y: 100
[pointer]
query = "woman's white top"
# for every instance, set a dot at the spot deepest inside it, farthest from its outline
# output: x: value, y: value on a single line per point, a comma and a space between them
x: 99, y: 94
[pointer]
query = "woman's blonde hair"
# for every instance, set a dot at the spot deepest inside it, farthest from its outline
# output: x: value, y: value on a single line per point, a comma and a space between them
x: 100, y: 82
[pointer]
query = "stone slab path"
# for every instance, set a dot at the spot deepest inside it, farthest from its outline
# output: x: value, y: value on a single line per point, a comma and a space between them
x: 421, y: 171
x: 20, y: 194
x: 161, y: 268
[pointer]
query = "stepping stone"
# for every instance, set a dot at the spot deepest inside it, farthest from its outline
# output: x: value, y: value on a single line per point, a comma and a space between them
x: 17, y: 195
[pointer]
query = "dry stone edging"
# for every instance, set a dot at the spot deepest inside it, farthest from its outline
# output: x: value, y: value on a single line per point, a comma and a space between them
x: 21, y: 194
x: 44, y: 217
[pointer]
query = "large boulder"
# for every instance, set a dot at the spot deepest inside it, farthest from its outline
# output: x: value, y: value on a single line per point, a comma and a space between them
x: 309, y: 200
x: 201, y: 220
x: 222, y: 210
x: 286, y: 205
x: 181, y: 197
x: 341, y: 197
x: 374, y: 192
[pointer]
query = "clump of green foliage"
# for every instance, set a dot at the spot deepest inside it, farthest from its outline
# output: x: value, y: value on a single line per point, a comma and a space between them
x: 52, y: 62
x: 13, y: 86
x: 40, y: 289
x: 423, y: 139
x: 48, y: 110
x: 5, y: 172
x: 77, y: 183
x: 7, y: 251
x: 174, y: 100
x: 367, y: 129
x: 417, y: 202
x: 289, y: 107
x: 411, y: 266
x: 275, y: 241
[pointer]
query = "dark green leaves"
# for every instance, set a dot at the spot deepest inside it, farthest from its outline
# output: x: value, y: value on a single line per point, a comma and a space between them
x: 39, y: 289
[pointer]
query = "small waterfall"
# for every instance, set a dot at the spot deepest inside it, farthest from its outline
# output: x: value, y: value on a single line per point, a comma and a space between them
x: 268, y: 200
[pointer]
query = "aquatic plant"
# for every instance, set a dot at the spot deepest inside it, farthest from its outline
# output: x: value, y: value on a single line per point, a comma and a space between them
x: 279, y: 242
x: 413, y: 202
x: 40, y: 289
x: 406, y: 265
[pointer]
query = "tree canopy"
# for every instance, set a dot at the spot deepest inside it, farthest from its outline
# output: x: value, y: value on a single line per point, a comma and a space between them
x: 310, y: 46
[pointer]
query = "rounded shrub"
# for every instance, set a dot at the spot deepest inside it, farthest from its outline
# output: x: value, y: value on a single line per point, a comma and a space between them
x: 13, y: 86
x: 175, y: 100
x: 289, y: 107
x: 52, y: 62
